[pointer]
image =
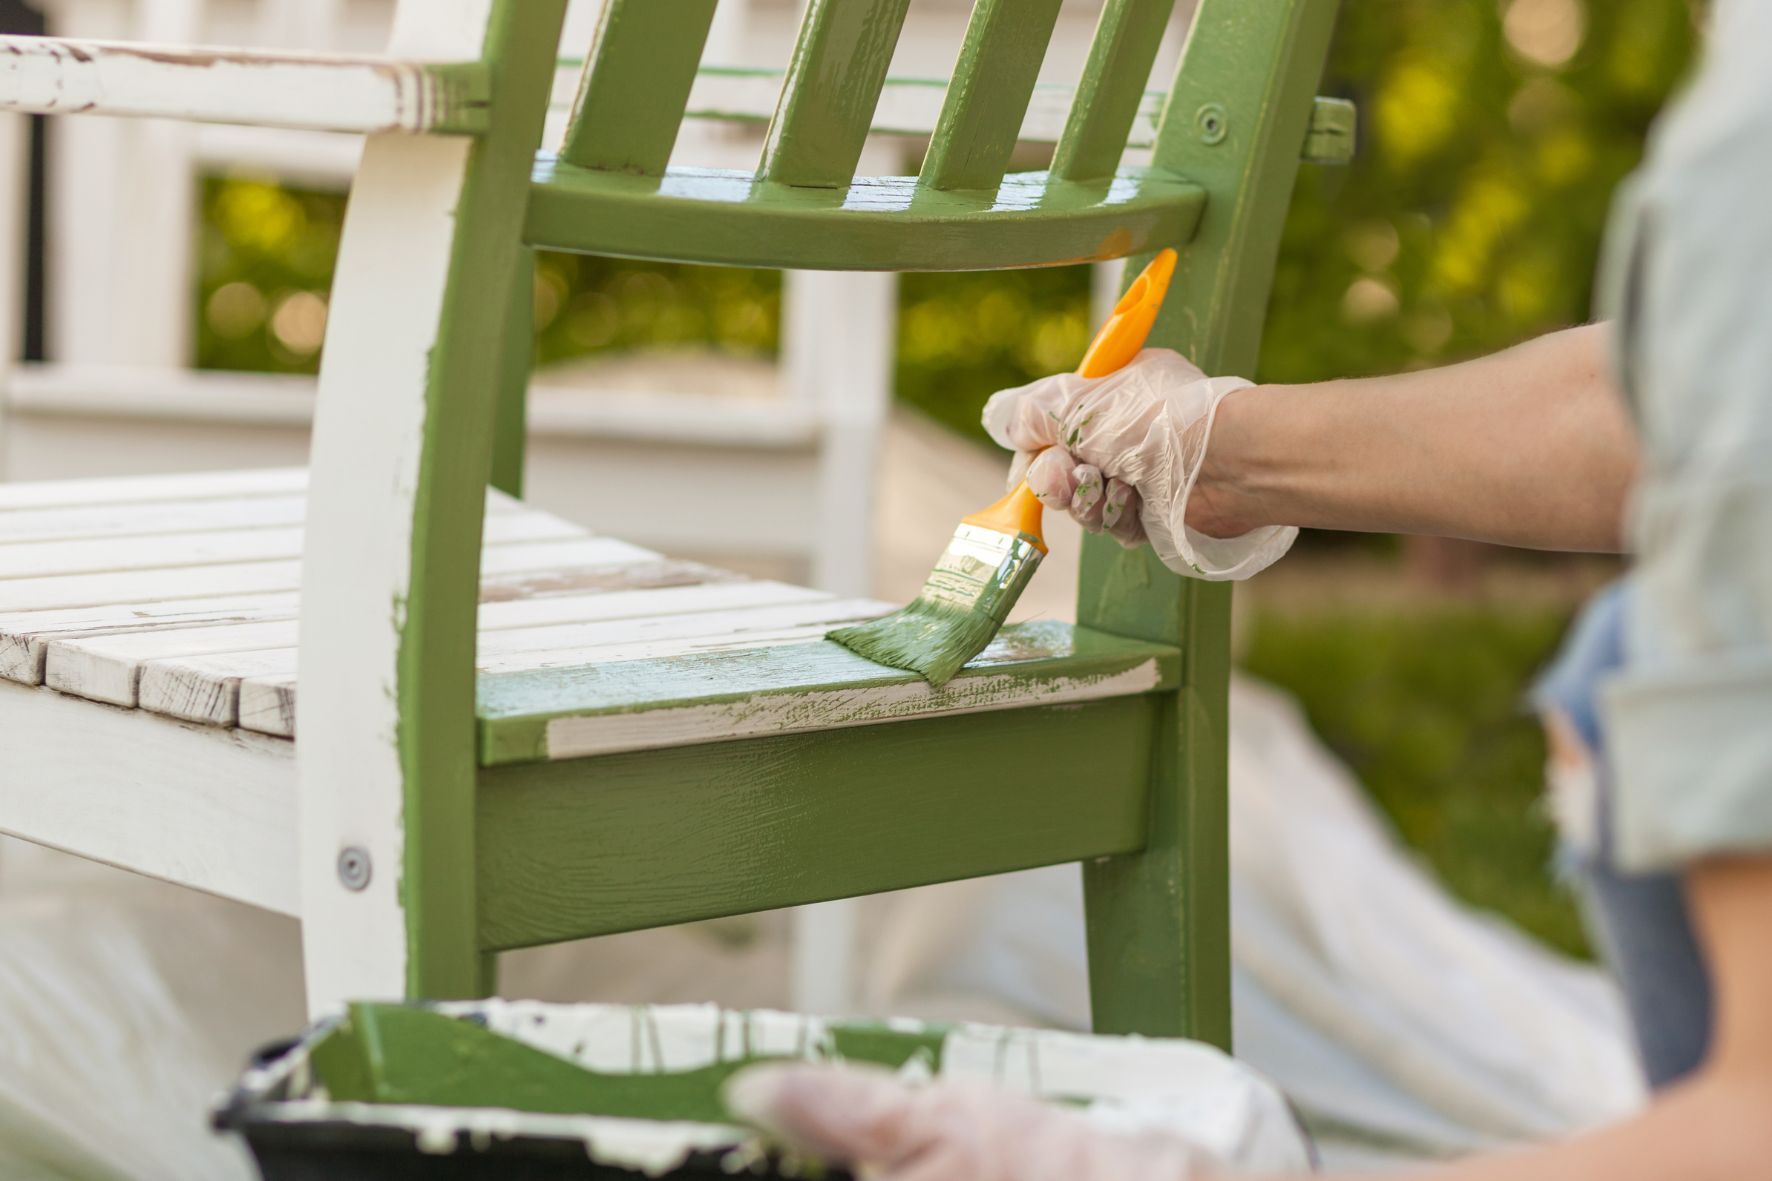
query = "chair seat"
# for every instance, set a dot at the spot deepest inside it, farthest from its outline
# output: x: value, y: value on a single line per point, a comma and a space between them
x: 873, y: 223
x: 178, y: 595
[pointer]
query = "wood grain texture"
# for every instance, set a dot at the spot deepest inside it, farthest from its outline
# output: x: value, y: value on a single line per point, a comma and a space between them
x: 25, y: 636
x: 198, y: 675
x: 205, y: 689
x: 105, y: 664
x: 876, y: 224
x: 130, y: 490
x: 322, y: 92
x: 987, y: 98
x: 209, y: 809
x: 636, y: 84
x: 128, y: 633
x: 713, y: 696
x: 514, y: 569
x: 147, y: 519
x: 1112, y: 85
x: 92, y: 553
x: 593, y: 846
x: 267, y: 700
x: 832, y: 86
x: 108, y: 668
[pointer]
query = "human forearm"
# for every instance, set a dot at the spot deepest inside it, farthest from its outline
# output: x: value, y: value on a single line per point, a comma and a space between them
x: 1528, y: 447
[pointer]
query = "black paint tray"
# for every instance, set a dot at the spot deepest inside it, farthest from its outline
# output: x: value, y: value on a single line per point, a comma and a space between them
x: 505, y: 1089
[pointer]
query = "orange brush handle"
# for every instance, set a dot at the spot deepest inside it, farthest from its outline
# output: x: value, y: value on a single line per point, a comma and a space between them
x: 1114, y: 346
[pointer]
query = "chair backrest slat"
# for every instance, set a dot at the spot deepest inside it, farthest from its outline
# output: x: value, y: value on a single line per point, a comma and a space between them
x: 833, y: 84
x: 635, y: 84
x: 988, y: 96
x: 1108, y: 94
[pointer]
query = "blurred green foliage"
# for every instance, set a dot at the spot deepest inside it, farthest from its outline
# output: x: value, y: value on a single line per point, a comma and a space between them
x: 585, y: 304
x: 267, y: 262
x: 1426, y: 707
x: 265, y: 273
x: 1492, y: 137
x: 962, y: 337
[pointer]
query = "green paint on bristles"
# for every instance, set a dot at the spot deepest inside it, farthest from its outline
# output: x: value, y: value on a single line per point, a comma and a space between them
x: 962, y: 607
x: 932, y: 639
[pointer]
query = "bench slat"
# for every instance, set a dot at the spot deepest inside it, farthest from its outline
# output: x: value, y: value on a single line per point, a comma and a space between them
x: 636, y: 84
x: 141, y: 520
x: 987, y: 100
x: 832, y: 86
x: 1112, y: 86
x: 25, y: 636
x: 548, y: 567
x: 48, y: 494
x: 506, y: 601
x: 206, y: 688
x: 148, y: 517
x: 106, y: 666
x: 92, y: 555
x: 782, y: 688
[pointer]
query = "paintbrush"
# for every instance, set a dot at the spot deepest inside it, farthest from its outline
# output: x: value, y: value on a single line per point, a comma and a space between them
x: 995, y: 552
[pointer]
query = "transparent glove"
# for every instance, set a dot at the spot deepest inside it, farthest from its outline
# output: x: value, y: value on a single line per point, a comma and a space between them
x: 1121, y: 453
x: 948, y: 1131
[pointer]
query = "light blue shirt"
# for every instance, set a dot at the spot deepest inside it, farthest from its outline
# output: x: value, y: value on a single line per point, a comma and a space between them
x: 1689, y: 281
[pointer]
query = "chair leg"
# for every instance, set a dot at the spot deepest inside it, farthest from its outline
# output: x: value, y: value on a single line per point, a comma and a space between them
x: 1159, y: 920
x: 822, y: 977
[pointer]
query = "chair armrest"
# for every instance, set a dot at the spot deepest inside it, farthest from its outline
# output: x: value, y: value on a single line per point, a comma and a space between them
x: 326, y: 92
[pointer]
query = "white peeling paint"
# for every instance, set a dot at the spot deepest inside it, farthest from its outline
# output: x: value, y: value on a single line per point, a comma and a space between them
x: 369, y: 429
x: 53, y: 76
x: 831, y: 709
x: 203, y: 808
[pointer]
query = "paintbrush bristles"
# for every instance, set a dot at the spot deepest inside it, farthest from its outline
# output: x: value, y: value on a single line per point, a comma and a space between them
x: 980, y: 576
x: 931, y: 639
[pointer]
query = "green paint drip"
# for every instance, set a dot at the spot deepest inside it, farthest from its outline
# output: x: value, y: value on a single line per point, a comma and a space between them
x: 962, y: 607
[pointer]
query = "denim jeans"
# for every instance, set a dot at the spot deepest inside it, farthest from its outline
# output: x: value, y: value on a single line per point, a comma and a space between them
x: 1639, y: 922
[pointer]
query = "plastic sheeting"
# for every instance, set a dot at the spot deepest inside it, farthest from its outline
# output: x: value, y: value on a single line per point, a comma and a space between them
x: 1401, y: 1023
x: 1398, y: 1020
x: 125, y: 1006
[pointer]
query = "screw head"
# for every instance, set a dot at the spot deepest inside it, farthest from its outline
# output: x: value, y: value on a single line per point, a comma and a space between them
x: 1212, y: 123
x: 354, y: 867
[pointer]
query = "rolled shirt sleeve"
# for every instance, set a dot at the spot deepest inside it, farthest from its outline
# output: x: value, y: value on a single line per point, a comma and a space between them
x: 1689, y: 721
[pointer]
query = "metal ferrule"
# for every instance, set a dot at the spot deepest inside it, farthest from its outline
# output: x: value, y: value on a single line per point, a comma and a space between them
x: 983, y: 570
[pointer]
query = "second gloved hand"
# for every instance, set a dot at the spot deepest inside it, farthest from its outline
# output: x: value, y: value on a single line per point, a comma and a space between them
x: 948, y: 1131
x: 1121, y: 454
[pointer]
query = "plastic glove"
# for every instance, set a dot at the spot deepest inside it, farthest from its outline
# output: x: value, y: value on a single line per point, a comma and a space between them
x: 1121, y: 453
x: 947, y: 1131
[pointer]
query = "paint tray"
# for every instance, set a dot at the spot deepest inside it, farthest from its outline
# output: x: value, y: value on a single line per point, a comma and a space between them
x: 499, y: 1089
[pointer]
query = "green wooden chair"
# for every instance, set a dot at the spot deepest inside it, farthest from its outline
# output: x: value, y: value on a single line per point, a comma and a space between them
x: 624, y: 741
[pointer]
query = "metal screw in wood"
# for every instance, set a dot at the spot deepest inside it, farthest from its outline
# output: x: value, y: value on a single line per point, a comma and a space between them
x: 354, y: 867
x: 1213, y: 123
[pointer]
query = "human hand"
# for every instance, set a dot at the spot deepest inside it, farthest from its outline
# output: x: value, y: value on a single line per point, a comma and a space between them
x: 948, y: 1131
x: 1122, y: 454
